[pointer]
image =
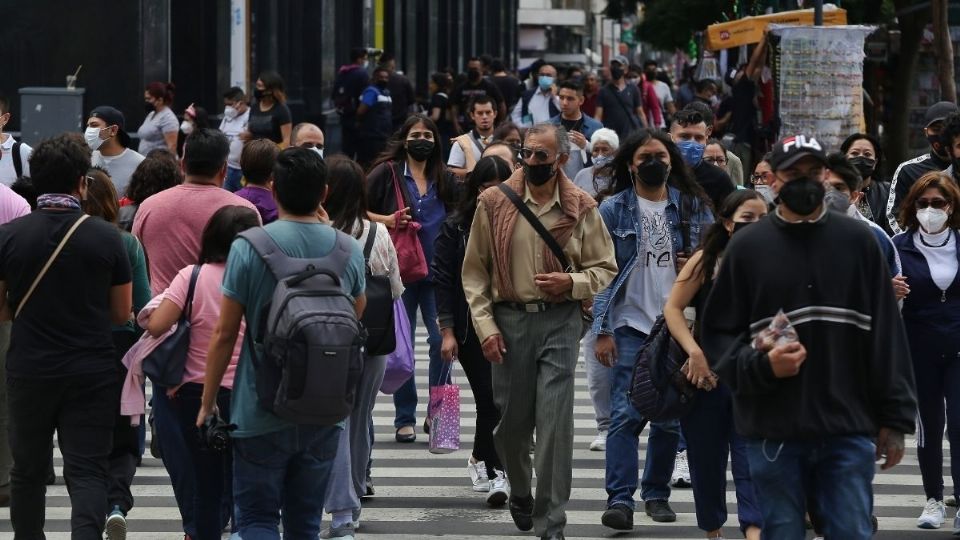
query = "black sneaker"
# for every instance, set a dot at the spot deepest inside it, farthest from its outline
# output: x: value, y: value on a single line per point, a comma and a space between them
x: 521, y: 510
x: 554, y: 536
x: 660, y: 511
x: 618, y: 517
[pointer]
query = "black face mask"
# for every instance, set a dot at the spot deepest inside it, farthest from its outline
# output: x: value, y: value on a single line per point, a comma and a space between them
x: 740, y: 225
x: 382, y: 85
x: 539, y: 175
x: 864, y: 165
x: 259, y: 94
x: 616, y: 73
x: 802, y: 195
x: 420, y: 149
x: 936, y: 144
x: 149, y: 107
x: 473, y: 74
x: 652, y: 173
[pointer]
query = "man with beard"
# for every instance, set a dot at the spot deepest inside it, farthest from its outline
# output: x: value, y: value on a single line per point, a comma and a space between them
x: 848, y: 362
x: 526, y: 308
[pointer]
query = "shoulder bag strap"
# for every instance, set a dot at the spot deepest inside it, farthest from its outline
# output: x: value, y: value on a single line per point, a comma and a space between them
x: 17, y: 160
x: 188, y: 303
x: 53, y: 257
x: 368, y: 245
x: 619, y: 97
x: 537, y: 226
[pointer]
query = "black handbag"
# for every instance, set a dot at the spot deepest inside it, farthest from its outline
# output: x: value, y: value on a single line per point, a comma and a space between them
x: 658, y: 388
x: 165, y: 365
x: 378, y: 316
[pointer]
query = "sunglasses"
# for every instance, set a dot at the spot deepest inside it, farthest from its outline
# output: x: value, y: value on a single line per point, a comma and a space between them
x: 540, y: 155
x: 937, y: 203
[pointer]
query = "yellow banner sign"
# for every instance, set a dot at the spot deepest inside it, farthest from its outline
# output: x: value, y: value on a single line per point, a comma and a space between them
x: 749, y: 30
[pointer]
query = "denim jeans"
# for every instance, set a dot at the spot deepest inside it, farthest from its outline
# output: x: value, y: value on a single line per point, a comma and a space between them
x: 623, y: 440
x: 598, y: 381
x: 174, y: 453
x: 232, y: 182
x: 840, y: 469
x: 419, y: 294
x: 284, y: 473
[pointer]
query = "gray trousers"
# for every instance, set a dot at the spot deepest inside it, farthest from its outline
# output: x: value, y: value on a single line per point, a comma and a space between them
x: 6, y: 460
x: 598, y: 381
x: 348, y: 477
x: 533, y: 389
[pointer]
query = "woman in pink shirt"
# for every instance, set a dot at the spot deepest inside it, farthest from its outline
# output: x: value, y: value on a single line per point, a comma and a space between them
x: 201, y: 476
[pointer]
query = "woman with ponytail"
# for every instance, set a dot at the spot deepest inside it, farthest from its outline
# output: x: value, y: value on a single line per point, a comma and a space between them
x: 708, y: 428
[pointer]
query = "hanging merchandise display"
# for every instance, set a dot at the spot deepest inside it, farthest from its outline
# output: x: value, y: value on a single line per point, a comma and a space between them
x: 819, y: 76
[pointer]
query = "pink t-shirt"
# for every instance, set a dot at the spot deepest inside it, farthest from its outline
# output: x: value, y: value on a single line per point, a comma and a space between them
x: 12, y: 205
x: 170, y: 223
x: 203, y: 319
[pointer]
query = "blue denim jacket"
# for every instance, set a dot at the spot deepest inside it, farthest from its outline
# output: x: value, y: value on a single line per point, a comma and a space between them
x: 619, y: 213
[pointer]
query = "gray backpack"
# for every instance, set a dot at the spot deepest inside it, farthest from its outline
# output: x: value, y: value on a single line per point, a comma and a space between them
x: 311, y: 338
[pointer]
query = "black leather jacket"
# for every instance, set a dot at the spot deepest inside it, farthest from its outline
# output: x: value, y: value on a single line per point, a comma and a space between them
x: 449, y: 251
x: 877, y: 195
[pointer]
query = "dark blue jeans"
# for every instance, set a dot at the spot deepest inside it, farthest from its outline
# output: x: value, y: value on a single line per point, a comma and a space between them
x: 284, y: 473
x: 232, y: 182
x: 840, y: 469
x: 175, y: 452
x: 623, y: 439
x: 419, y: 294
x: 711, y: 438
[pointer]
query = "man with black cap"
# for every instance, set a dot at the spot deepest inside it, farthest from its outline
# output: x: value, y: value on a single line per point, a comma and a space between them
x: 105, y: 135
x: 819, y: 405
x: 909, y: 171
x: 620, y: 105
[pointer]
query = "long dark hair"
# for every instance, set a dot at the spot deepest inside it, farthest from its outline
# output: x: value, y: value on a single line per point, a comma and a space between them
x: 347, y: 193
x: 717, y: 237
x: 618, y: 169
x: 436, y: 170
x: 224, y: 225
x: 488, y: 168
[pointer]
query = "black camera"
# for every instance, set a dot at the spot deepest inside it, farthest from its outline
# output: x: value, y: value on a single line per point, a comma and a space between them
x: 215, y: 433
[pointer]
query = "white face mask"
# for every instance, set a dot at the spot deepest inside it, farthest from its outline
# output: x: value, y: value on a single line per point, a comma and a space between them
x: 766, y: 192
x: 230, y: 113
x: 932, y: 220
x: 319, y: 151
x: 92, y: 136
x: 186, y: 127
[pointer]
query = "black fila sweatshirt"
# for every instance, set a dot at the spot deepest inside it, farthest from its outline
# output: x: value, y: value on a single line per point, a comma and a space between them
x: 830, y: 278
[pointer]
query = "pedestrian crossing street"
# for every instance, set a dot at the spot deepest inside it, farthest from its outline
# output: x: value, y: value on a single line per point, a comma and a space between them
x: 421, y: 495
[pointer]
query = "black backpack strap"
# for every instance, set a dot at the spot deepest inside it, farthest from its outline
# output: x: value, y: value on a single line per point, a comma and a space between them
x: 368, y: 245
x: 537, y: 226
x: 17, y: 159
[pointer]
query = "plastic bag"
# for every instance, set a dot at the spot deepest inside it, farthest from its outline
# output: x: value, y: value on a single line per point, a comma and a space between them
x: 780, y: 332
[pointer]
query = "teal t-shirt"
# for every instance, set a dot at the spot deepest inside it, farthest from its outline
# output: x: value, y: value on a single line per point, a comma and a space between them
x: 248, y: 281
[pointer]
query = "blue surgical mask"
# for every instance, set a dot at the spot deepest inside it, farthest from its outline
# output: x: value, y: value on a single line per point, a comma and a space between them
x: 545, y: 82
x: 692, y: 152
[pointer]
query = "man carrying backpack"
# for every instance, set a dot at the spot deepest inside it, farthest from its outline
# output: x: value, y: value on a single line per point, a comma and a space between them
x: 14, y: 155
x: 287, y: 434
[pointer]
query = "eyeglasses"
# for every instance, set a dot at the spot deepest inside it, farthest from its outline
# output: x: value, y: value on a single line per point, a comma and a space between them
x: 937, y: 203
x: 540, y: 155
x: 719, y: 162
x: 759, y: 178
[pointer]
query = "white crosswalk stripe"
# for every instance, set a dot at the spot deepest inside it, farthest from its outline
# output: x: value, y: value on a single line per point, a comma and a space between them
x: 420, y: 495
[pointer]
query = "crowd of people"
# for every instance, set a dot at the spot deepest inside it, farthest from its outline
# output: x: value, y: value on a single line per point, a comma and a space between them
x: 528, y: 223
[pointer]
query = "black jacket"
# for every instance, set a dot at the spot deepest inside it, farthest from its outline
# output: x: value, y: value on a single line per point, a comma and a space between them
x: 877, y: 195
x: 449, y: 251
x: 904, y: 177
x: 830, y: 278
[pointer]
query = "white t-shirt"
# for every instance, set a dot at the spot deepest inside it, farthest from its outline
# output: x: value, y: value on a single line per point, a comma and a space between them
x: 457, y: 159
x: 120, y: 167
x: 643, y: 296
x: 8, y: 173
x: 153, y: 129
x: 232, y: 129
x: 942, y: 259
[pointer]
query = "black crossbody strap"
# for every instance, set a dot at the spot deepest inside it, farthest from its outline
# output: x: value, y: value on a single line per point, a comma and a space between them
x: 368, y: 245
x: 619, y: 97
x: 537, y: 226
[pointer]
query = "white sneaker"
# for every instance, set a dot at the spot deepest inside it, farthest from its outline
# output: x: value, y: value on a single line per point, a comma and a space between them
x: 600, y: 443
x: 681, y: 471
x: 478, y: 475
x: 933, y: 516
x: 499, y: 490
